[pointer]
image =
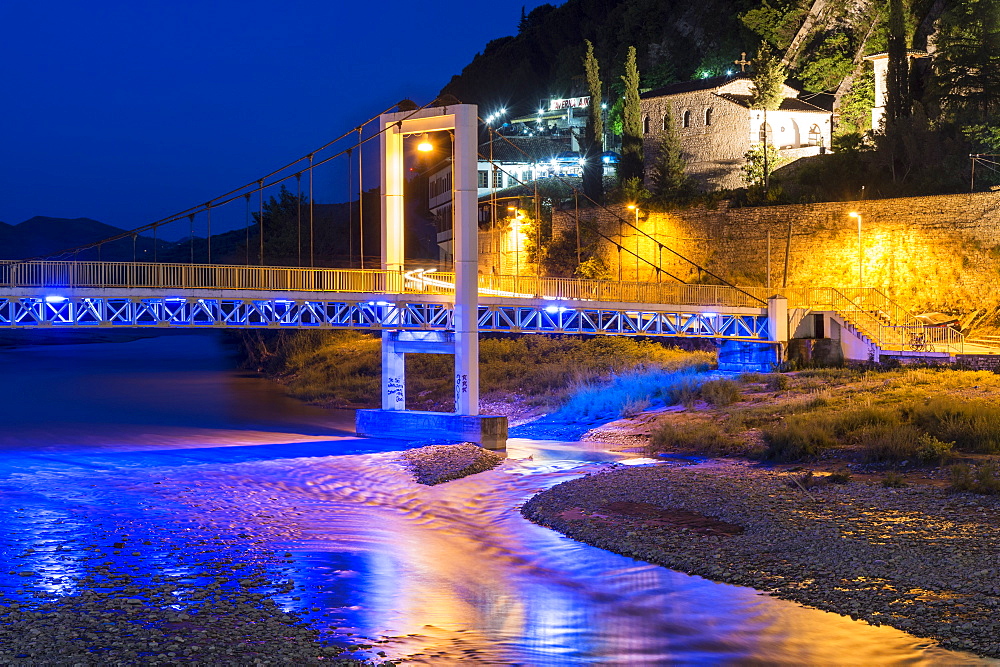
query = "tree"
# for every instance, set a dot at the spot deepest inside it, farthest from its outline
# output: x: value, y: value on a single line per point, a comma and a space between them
x: 767, y: 90
x: 897, y: 85
x: 593, y: 166
x: 667, y: 177
x: 761, y: 160
x: 631, y: 162
x: 967, y: 61
x: 284, y: 233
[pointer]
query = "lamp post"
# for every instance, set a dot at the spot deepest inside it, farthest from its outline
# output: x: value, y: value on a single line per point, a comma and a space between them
x: 854, y: 214
x: 635, y: 209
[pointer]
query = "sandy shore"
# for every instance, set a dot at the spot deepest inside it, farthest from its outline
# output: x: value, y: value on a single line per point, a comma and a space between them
x: 916, y: 558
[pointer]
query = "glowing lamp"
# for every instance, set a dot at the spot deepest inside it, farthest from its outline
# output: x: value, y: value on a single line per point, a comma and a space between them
x: 425, y: 145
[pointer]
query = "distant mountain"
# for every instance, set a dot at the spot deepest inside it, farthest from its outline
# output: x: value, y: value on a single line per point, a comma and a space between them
x: 43, y: 235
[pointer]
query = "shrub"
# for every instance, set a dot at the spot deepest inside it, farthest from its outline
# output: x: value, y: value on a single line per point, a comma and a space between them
x: 797, y: 439
x: 988, y: 478
x: 970, y: 425
x: 753, y: 378
x: 720, y: 393
x: 683, y: 392
x: 842, y: 477
x: 777, y: 382
x: 893, y: 480
x: 704, y: 437
x: 628, y: 394
x: 931, y: 449
x: 888, y: 443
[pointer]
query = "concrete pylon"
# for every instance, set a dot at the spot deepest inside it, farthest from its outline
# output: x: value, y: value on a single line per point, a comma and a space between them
x: 394, y: 420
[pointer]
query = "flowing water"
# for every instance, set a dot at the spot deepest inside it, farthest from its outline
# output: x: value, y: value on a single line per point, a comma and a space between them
x: 162, y: 434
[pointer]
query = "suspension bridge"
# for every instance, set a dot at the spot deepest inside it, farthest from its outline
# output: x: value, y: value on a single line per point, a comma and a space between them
x: 421, y: 310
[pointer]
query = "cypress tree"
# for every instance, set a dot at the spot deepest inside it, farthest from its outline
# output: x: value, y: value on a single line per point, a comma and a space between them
x: 768, y: 80
x: 631, y: 163
x: 593, y: 167
x: 897, y: 102
x: 667, y: 177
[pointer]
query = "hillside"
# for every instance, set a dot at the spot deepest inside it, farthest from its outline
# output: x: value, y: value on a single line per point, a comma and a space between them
x: 824, y: 42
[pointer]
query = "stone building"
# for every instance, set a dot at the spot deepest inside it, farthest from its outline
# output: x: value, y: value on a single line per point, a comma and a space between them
x: 717, y: 126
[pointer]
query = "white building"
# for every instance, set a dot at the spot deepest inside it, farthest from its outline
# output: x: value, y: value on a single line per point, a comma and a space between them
x: 717, y: 126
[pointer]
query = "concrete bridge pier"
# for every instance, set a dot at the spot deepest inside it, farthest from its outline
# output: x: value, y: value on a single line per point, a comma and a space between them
x: 744, y: 356
x: 394, y: 420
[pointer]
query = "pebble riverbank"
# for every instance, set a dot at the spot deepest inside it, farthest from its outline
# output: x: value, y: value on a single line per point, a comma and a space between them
x: 435, y: 464
x: 917, y: 558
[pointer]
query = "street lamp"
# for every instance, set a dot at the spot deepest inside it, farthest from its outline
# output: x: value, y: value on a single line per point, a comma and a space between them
x: 635, y: 208
x: 854, y: 214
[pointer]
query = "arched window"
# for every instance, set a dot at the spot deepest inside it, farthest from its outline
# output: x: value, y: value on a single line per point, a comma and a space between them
x: 645, y: 125
x: 687, y: 119
x: 815, y: 136
x: 708, y: 116
x: 666, y: 122
x: 766, y: 135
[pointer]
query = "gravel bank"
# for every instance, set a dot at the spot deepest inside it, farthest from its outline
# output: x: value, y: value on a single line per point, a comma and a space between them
x: 436, y: 464
x: 915, y: 558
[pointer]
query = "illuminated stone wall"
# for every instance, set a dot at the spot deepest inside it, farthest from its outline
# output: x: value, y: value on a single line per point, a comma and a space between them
x: 929, y: 253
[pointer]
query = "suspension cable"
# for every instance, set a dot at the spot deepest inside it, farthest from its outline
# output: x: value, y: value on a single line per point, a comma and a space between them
x: 361, y: 203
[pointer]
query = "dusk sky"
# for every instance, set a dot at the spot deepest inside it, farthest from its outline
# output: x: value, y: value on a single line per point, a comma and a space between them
x: 126, y: 112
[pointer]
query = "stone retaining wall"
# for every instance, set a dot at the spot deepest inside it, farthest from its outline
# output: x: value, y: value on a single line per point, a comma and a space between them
x: 938, y: 253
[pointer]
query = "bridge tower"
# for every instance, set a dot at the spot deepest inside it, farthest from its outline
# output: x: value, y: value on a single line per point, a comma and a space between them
x: 394, y: 420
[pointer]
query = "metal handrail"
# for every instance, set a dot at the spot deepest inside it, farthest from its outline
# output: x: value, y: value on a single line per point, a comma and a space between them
x: 867, y: 309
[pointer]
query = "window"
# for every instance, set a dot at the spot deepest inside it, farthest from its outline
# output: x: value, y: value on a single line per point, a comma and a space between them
x: 484, y: 178
x: 526, y: 177
x: 708, y: 116
x: 645, y: 125
x: 815, y: 136
x: 765, y: 135
x: 666, y: 122
x: 686, y: 119
x: 497, y: 178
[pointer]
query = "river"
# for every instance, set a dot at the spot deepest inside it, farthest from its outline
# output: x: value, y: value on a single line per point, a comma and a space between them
x: 159, y: 436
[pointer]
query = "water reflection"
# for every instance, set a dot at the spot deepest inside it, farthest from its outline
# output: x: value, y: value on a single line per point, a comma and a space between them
x: 133, y: 457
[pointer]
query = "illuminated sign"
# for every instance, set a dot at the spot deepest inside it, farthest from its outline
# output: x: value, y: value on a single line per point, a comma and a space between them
x: 569, y: 103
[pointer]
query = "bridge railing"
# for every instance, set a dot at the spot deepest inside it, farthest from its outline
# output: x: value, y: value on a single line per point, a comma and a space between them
x: 71, y: 274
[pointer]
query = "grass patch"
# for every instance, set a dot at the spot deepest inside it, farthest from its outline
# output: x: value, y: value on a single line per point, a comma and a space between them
x: 343, y: 368
x: 797, y: 439
x: 700, y: 437
x: 720, y: 393
x: 984, y: 479
x: 629, y: 393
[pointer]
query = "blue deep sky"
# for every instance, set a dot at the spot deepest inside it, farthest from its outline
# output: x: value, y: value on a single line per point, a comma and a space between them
x: 128, y: 111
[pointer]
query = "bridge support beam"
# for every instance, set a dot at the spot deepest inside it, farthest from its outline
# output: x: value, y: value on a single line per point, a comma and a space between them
x: 462, y: 120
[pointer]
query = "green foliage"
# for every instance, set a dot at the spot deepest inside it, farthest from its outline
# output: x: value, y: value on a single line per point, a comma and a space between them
x: 776, y: 382
x: 631, y: 191
x: 893, y: 480
x: 616, y: 117
x: 839, y: 478
x: 797, y: 439
x: 700, y: 437
x: 985, y: 137
x: 985, y: 479
x: 282, y: 229
x: 767, y: 89
x: 930, y: 449
x: 856, y: 105
x: 594, y: 268
x: 888, y: 443
x: 967, y: 61
x: 630, y: 392
x: 897, y: 85
x: 593, y: 168
x: 972, y: 426
x: 593, y: 73
x: 828, y: 63
x: 631, y: 164
x: 720, y: 393
x: 761, y: 161
x: 667, y: 179
x: 776, y: 22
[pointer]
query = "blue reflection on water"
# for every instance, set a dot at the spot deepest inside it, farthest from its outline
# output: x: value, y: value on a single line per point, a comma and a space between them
x: 152, y: 462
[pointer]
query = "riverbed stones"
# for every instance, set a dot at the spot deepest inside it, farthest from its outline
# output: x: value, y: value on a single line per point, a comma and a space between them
x: 916, y: 558
x: 436, y: 464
